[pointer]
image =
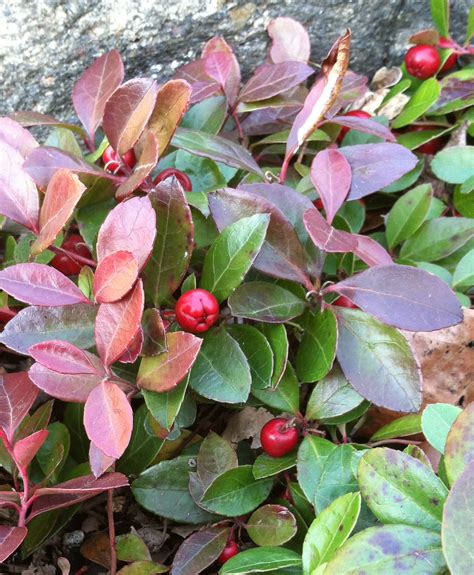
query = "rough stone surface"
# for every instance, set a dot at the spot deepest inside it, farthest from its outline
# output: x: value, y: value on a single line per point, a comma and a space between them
x: 45, y: 44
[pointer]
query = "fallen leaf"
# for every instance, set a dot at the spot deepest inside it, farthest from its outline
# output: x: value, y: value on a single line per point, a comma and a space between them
x: 247, y: 424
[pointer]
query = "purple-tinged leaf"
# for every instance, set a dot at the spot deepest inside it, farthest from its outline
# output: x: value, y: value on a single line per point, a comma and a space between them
x: 74, y: 491
x: 272, y: 79
x: 43, y: 162
x: 73, y: 323
x: 353, y: 87
x: 218, y: 45
x: 269, y: 120
x: 134, y: 348
x: 116, y: 325
x: 377, y: 361
x: 405, y: 297
x: 371, y: 252
x: 13, y: 134
x: 99, y: 462
x: 9, y: 497
x: 290, y: 41
x: 202, y: 85
x: 62, y: 195
x: 127, y: 112
x: 130, y: 227
x: 25, y: 449
x: 375, y: 166
x: 74, y: 387
x: 199, y: 550
x: 27, y: 118
x: 10, y: 539
x: 108, y: 419
x: 281, y: 254
x: 216, y: 148
x: 146, y: 163
x: 325, y: 237
x: 63, y: 357
x: 331, y: 176
x: 39, y: 284
x: 364, y: 125
x: 154, y: 333
x: 18, y: 194
x: 94, y: 88
x: 115, y: 276
x: 218, y: 66
x: 17, y: 395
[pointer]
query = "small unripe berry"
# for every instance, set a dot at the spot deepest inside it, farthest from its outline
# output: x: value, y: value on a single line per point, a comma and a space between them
x: 182, y: 178
x: 230, y: 550
x: 278, y: 438
x: 66, y: 264
x: 343, y: 301
x: 354, y: 114
x: 422, y: 61
x: 197, y: 310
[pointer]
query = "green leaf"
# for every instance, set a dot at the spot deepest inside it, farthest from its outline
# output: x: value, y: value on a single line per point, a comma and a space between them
x: 266, y: 466
x: 271, y: 526
x: 463, y: 277
x: 258, y: 352
x: 400, y: 489
x: 236, y: 492
x: 54, y: 451
x: 165, y: 407
x: 436, y: 421
x: 206, y: 116
x: 332, y: 398
x: 73, y: 419
x: 421, y: 101
x: 317, y: 349
x: 130, y: 547
x: 390, y: 550
x: 330, y: 530
x: 199, y: 550
x: 407, y: 214
x: 278, y: 339
x: 377, y: 361
x: 312, y: 455
x: 470, y: 26
x: 436, y: 270
x: 464, y: 203
x: 261, y: 560
x: 266, y: 302
x: 456, y: 531
x: 466, y: 187
x: 221, y: 371
x: 440, y: 16
x: 142, y: 568
x: 454, y: 164
x: 401, y: 427
x: 216, y: 456
x: 91, y: 217
x: 163, y: 490
x: 459, y: 450
x: 285, y: 397
x: 232, y: 254
x: 337, y: 477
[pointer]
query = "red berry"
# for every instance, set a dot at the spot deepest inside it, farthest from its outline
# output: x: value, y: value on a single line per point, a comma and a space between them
x: 113, y: 163
x: 182, y: 178
x: 66, y: 264
x: 422, y: 61
x: 343, y: 301
x: 430, y: 147
x: 450, y: 62
x: 277, y: 438
x: 355, y: 114
x: 318, y: 203
x: 230, y: 550
x: 197, y: 310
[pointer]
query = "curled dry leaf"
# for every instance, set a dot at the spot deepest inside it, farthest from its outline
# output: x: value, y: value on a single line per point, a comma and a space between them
x: 247, y: 424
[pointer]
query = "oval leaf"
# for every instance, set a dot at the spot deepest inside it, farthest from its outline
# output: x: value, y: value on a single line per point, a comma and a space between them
x: 271, y: 525
x: 459, y: 450
x: 115, y: 276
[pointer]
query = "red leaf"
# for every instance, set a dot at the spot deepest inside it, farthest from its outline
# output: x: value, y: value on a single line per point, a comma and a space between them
x: 371, y: 252
x: 165, y: 371
x: 134, y: 349
x: 17, y: 395
x: 272, y: 79
x: 127, y: 112
x: 115, y: 276
x: 108, y: 419
x: 63, y: 357
x: 218, y: 45
x: 364, y: 125
x: 18, y: 194
x: 13, y: 134
x: 62, y: 194
x: 74, y: 387
x: 331, y: 176
x: 10, y: 539
x: 130, y: 227
x: 202, y: 85
x: 218, y: 66
x: 143, y: 168
x: 98, y: 460
x: 25, y: 449
x: 94, y: 88
x: 290, y: 41
x: 39, y: 284
x: 117, y: 323
x: 325, y: 237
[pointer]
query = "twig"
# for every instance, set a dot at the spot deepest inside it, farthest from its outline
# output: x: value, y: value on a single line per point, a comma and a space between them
x: 111, y: 526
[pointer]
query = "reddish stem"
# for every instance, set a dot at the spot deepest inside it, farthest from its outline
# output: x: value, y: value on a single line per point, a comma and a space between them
x: 111, y: 525
x: 23, y: 471
x: 77, y: 258
x: 284, y: 169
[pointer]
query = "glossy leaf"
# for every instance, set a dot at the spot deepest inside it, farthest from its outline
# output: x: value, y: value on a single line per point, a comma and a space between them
x: 463, y: 277
x: 130, y: 547
x: 10, y: 539
x: 216, y: 456
x: 401, y: 427
x: 108, y: 419
x: 277, y: 337
x: 95, y: 87
x: 267, y: 466
x: 154, y: 334
x: 377, y: 361
x: 163, y: 372
x: 317, y: 348
x: 365, y: 126
x: 13, y: 134
x: 231, y: 255
x: 454, y: 164
x: 312, y: 455
x: 407, y: 214
x: 337, y: 477
x: 284, y: 397
x: 127, y: 111
x: 64, y: 357
x: 261, y: 560
x: 272, y: 79
x: 290, y: 41
x: 99, y: 462
x: 399, y: 489
x: 67, y: 387
x: 165, y: 407
x: 115, y: 276
x: 54, y: 451
x: 459, y: 449
x: 420, y: 102
x: 325, y: 237
x: 331, y: 176
x: 271, y: 526
x: 199, y: 550
x: 436, y: 421
x: 17, y: 395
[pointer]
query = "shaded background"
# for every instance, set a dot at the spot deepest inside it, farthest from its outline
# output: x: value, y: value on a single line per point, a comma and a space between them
x: 45, y: 44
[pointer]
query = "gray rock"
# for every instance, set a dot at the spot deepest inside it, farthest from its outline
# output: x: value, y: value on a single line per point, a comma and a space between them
x: 45, y: 44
